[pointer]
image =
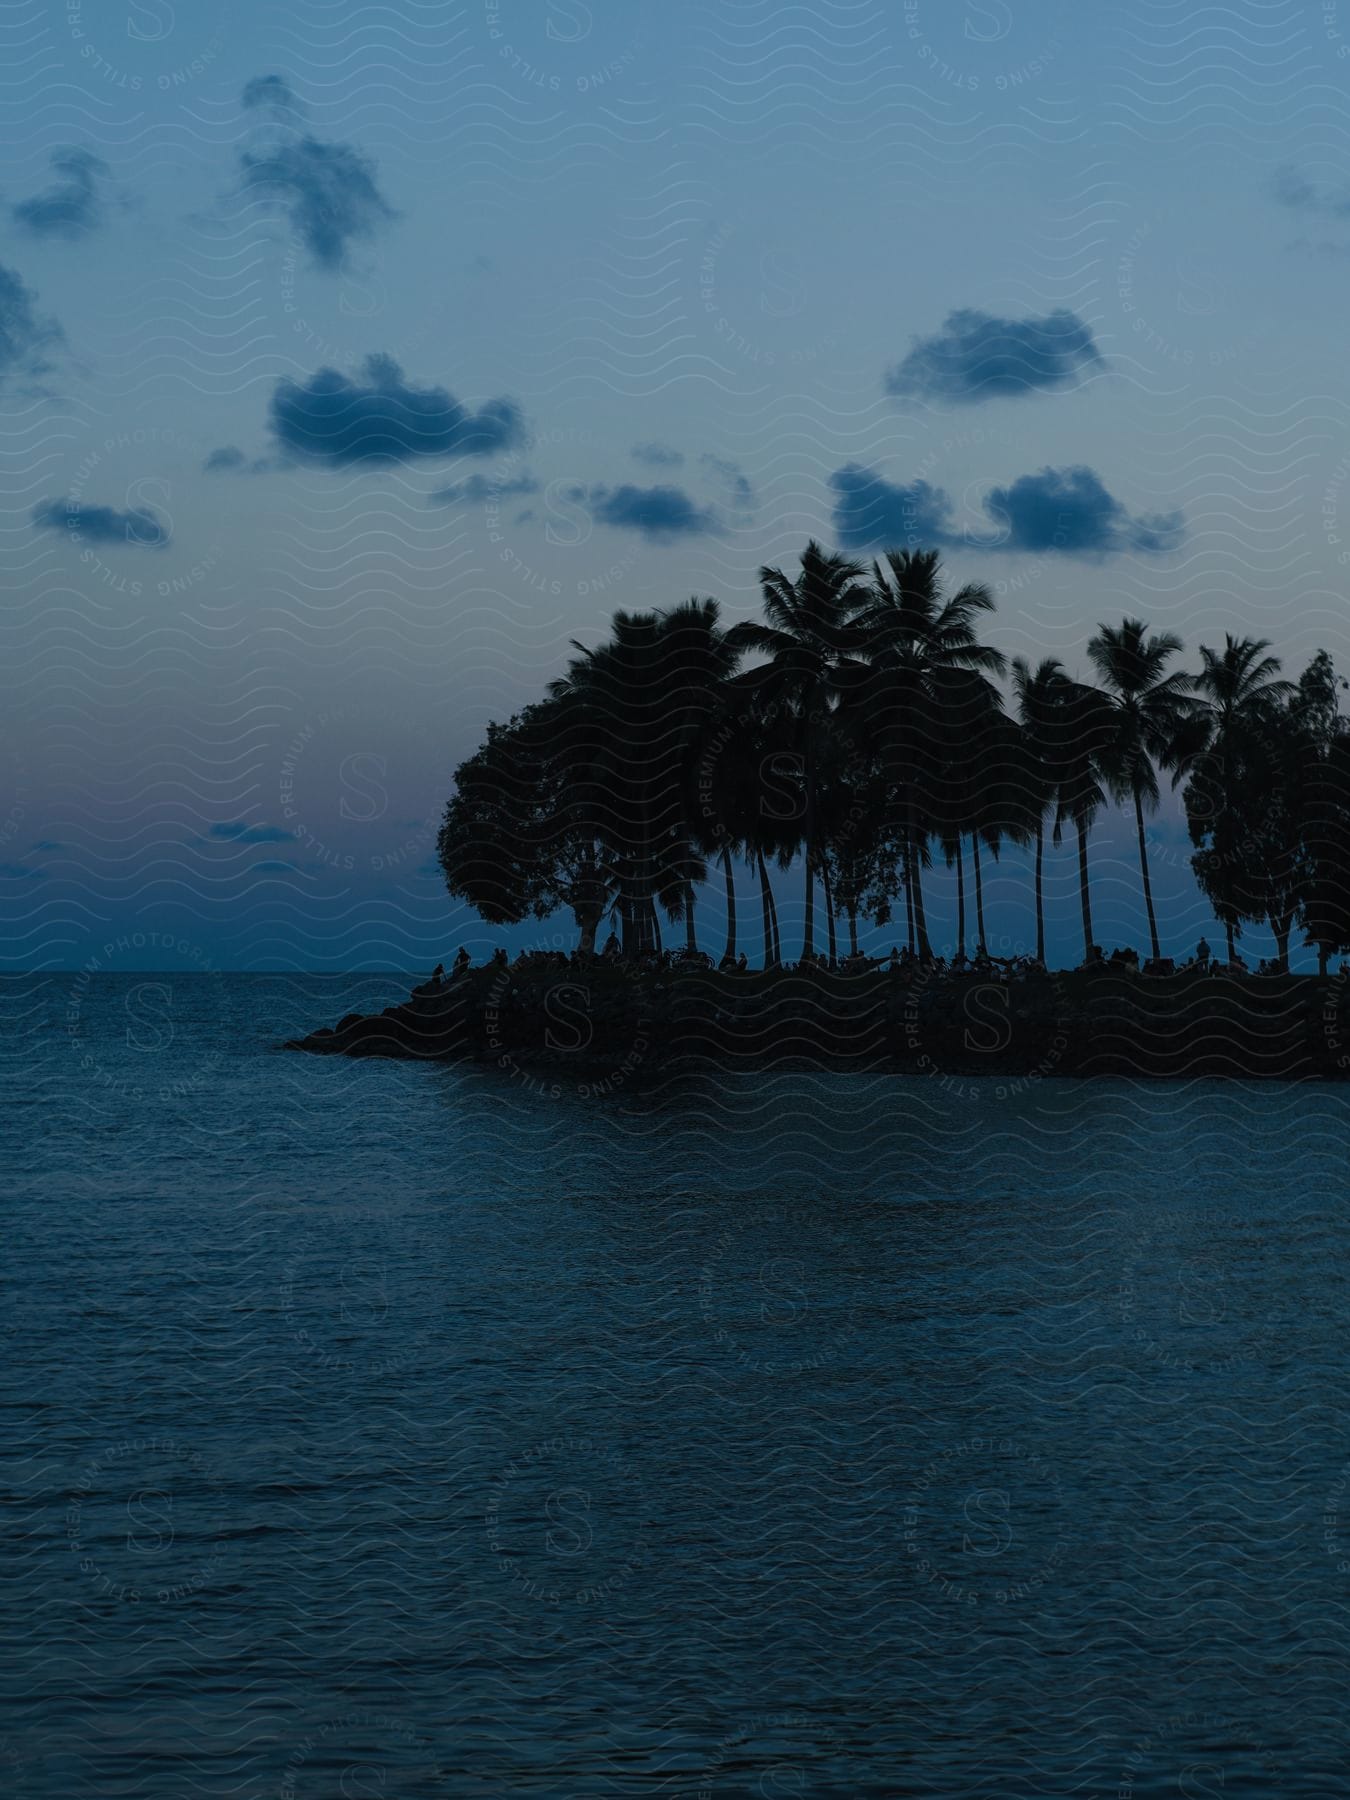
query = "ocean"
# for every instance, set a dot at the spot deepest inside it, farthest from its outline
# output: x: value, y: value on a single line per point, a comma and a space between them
x: 383, y: 1429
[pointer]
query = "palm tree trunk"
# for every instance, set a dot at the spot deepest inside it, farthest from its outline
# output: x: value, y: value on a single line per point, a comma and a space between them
x: 1323, y: 958
x: 809, y: 919
x: 1040, y: 890
x: 588, y: 921
x: 731, y: 904
x: 808, y: 846
x: 981, y: 947
x: 1281, y: 928
x: 1084, y: 892
x: 960, y: 898
x: 829, y: 911
x: 1143, y: 869
x: 909, y: 899
x: 920, y: 920
x: 772, y: 955
x: 1228, y: 933
x: 653, y: 927
x: 853, y: 931
x: 690, y: 941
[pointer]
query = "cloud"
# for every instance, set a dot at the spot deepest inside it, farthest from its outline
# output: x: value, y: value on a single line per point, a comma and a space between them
x: 871, y: 513
x: 482, y: 489
x: 1301, y: 195
x: 19, y: 872
x: 661, y: 514
x: 273, y: 94
x: 329, y: 190
x: 742, y: 495
x: 236, y: 832
x: 977, y: 356
x: 1060, y: 511
x: 74, y: 206
x: 1070, y: 510
x: 657, y: 456
x: 270, y: 866
x: 139, y: 526
x: 225, y: 460
x: 339, y: 422
x: 23, y: 334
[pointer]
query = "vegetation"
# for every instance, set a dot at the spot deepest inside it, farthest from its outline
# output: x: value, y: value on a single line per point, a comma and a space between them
x: 863, y: 727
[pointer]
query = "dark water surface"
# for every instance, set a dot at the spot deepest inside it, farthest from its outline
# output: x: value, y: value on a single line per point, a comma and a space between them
x: 384, y: 1430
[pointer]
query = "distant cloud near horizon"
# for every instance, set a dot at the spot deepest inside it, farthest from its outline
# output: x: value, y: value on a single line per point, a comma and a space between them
x: 1301, y: 195
x: 236, y: 832
x: 221, y: 461
x: 138, y: 526
x: 1067, y: 512
x: 24, y: 335
x: 661, y: 514
x: 657, y: 456
x: 74, y: 206
x: 382, y: 420
x: 482, y: 488
x: 977, y: 356
x: 329, y: 190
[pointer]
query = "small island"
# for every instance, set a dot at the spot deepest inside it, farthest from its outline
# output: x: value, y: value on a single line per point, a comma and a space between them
x: 872, y: 731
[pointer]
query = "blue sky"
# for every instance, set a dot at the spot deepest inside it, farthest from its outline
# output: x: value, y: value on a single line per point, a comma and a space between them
x: 614, y: 303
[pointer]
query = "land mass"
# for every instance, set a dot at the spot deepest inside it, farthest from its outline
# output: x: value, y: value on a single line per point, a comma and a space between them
x: 604, y: 1024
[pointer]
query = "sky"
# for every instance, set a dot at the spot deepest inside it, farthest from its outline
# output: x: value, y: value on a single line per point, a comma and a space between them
x: 354, y: 361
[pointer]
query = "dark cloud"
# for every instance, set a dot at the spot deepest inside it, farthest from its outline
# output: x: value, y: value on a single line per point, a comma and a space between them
x: 658, y: 456
x: 20, y: 872
x: 225, y: 460
x: 1064, y: 511
x: 1301, y: 195
x: 272, y: 94
x: 482, y: 489
x: 335, y: 420
x: 24, y: 336
x: 738, y: 483
x: 977, y: 356
x: 236, y: 832
x: 661, y: 514
x: 74, y: 206
x: 329, y: 191
x: 138, y: 526
x: 1070, y: 510
x: 871, y: 513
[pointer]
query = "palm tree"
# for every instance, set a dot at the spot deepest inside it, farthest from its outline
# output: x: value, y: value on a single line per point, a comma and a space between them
x: 1083, y: 728
x: 1151, y: 708
x: 921, y: 646
x: 810, y: 646
x: 1037, y: 693
x: 1238, y: 694
x: 632, y: 710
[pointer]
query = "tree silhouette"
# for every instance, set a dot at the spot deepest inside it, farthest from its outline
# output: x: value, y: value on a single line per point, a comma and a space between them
x: 810, y: 648
x: 1151, y: 708
x: 920, y: 647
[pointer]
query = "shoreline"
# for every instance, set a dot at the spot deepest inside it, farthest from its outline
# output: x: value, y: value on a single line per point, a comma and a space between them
x: 619, y: 1022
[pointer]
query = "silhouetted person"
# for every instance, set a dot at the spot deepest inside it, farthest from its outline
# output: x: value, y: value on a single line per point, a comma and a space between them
x: 438, y: 975
x: 612, y: 947
x: 461, y: 961
x: 1203, y: 954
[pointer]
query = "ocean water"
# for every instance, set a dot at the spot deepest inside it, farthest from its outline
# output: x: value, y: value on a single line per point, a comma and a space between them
x: 375, y: 1429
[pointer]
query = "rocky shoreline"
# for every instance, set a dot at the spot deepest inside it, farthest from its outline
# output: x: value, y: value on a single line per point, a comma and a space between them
x: 610, y: 1024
